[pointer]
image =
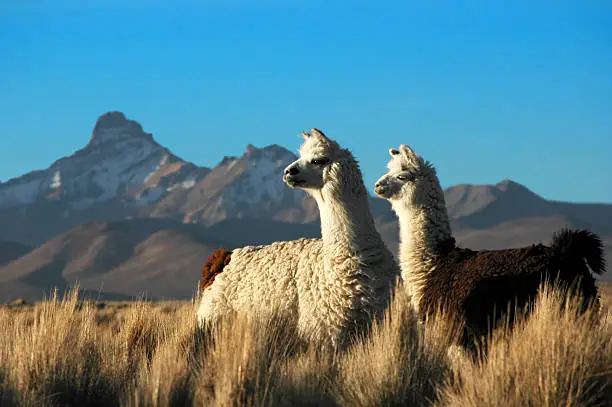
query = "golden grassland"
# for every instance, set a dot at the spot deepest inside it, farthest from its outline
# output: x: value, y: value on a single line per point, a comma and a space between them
x: 64, y: 352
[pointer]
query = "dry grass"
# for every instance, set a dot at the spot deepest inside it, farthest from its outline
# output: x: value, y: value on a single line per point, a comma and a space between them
x: 556, y: 357
x: 66, y: 352
x: 605, y: 290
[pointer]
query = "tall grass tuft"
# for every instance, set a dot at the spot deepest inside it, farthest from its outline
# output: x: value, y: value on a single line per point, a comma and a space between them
x: 54, y: 357
x: 555, y: 357
x: 252, y: 361
x: 401, y: 362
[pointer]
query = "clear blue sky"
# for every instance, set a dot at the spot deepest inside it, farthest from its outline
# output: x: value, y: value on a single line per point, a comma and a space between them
x: 520, y: 89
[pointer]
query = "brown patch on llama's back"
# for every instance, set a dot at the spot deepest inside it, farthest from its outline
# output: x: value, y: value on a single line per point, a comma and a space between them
x: 213, y: 266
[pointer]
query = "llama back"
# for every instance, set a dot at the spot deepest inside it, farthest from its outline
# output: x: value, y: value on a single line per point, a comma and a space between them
x: 494, y: 282
x: 481, y: 279
x: 258, y: 277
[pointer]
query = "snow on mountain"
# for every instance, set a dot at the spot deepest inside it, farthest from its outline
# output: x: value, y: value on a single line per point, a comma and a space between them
x: 249, y: 186
x: 120, y: 161
x: 121, y: 170
x: 124, y: 173
x: 56, y: 181
x: 262, y: 177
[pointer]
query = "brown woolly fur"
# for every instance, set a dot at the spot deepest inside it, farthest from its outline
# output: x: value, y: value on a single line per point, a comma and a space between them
x: 213, y: 266
x: 481, y: 286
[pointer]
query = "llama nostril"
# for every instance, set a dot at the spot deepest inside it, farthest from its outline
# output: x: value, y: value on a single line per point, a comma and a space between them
x: 291, y: 171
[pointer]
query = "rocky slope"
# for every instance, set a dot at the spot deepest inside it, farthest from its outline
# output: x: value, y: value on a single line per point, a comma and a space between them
x: 119, y: 171
x: 246, y: 187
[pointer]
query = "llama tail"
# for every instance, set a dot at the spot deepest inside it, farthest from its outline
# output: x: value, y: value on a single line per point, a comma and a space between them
x: 213, y: 266
x: 570, y: 244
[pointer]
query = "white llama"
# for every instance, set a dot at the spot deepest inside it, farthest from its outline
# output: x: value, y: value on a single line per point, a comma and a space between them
x: 333, y: 286
x: 473, y: 285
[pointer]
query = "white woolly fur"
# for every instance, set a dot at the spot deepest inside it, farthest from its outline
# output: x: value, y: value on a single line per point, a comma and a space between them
x: 412, y: 187
x: 333, y: 286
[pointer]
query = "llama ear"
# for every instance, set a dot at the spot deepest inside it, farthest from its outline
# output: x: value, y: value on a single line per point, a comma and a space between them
x: 412, y: 157
x: 306, y: 135
x: 393, y: 152
x: 318, y: 133
x: 408, y: 152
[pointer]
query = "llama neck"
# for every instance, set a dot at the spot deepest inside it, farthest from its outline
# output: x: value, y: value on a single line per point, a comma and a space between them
x: 346, y: 222
x: 423, y: 229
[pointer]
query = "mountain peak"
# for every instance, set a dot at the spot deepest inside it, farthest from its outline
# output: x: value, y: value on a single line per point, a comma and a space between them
x: 111, y: 119
x: 507, y: 183
x: 114, y: 123
x: 512, y: 187
x: 272, y: 152
x: 467, y: 199
x: 275, y: 148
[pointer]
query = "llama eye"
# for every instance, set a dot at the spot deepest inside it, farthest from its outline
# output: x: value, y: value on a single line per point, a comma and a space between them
x: 319, y: 161
x: 402, y: 177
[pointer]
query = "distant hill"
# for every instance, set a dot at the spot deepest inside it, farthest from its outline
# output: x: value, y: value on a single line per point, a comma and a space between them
x: 485, y: 206
x: 132, y: 257
x: 156, y: 257
x: 10, y: 251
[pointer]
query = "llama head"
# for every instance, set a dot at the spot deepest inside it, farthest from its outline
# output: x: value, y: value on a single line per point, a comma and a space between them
x: 410, y: 178
x: 323, y: 166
